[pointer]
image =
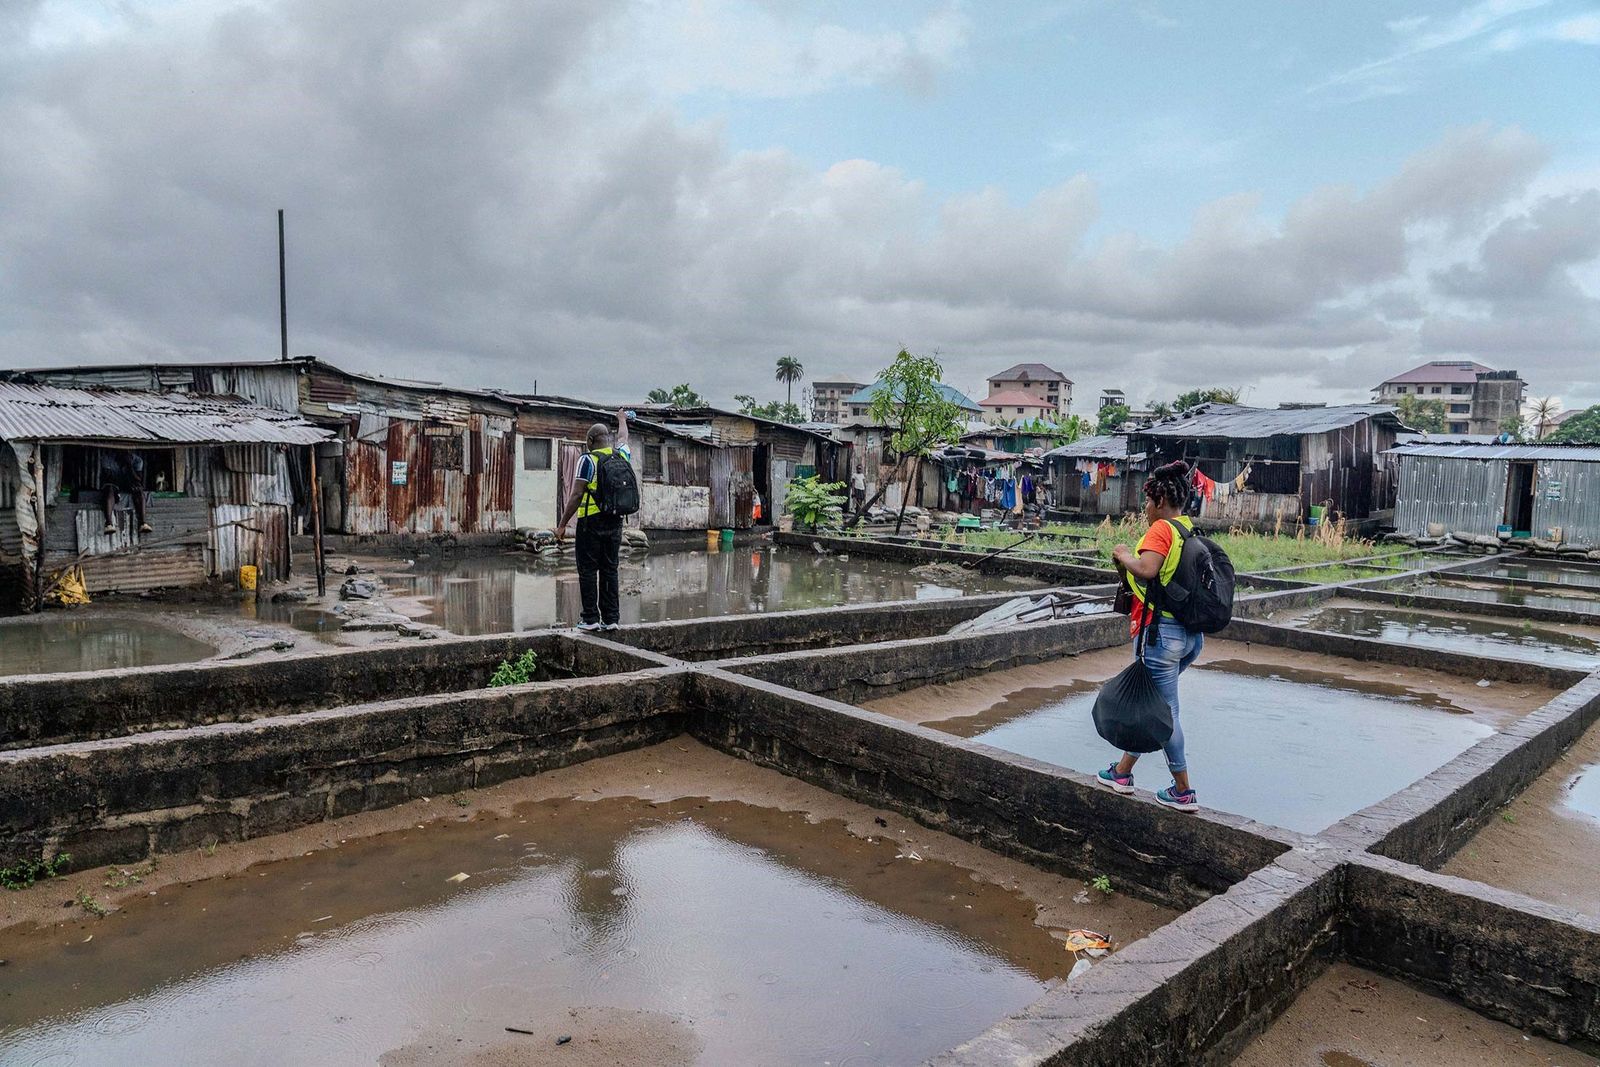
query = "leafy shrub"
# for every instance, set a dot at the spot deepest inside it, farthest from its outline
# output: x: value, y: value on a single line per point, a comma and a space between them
x: 518, y: 671
x: 24, y: 873
x: 815, y: 503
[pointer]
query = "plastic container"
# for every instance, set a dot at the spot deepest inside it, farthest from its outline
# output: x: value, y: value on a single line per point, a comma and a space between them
x: 727, y: 537
x: 247, y: 578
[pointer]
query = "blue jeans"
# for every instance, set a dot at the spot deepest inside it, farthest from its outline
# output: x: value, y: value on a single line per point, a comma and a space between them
x: 1167, y: 653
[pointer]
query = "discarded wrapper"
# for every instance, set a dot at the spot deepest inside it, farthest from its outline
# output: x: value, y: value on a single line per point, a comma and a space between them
x: 1087, y: 941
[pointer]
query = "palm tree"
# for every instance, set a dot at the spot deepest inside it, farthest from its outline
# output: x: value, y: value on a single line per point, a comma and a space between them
x: 1543, y: 411
x: 789, y: 371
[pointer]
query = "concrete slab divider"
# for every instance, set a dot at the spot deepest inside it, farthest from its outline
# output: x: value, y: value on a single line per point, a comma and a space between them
x: 1194, y: 992
x: 1426, y: 602
x: 1372, y: 650
x: 1521, y: 961
x: 1046, y: 815
x: 1427, y: 822
x: 869, y: 548
x: 119, y: 799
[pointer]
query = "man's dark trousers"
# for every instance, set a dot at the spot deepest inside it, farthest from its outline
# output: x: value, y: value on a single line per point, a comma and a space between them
x: 599, y: 545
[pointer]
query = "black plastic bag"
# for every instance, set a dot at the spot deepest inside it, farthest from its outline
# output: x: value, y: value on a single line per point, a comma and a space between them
x: 1130, y: 711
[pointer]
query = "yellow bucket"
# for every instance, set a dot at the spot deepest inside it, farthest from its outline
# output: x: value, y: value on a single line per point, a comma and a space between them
x: 713, y: 540
x: 247, y: 578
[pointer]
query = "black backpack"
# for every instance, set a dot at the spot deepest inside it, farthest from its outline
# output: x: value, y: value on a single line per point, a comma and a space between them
x: 1200, y: 594
x: 616, y: 490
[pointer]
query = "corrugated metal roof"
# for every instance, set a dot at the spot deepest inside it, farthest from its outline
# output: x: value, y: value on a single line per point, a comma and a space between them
x: 52, y: 413
x: 1443, y: 372
x: 1447, y: 438
x: 1110, y: 446
x: 1579, y: 453
x: 1235, y: 421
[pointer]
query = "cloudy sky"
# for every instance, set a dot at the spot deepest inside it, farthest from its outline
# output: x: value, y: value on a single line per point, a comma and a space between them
x: 606, y: 196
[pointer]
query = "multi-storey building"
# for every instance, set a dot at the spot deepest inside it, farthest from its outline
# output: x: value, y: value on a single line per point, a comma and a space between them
x: 828, y: 399
x: 1046, y: 385
x: 1477, y: 399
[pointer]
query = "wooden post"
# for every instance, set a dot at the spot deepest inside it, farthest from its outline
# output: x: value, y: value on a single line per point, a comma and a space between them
x: 316, y: 527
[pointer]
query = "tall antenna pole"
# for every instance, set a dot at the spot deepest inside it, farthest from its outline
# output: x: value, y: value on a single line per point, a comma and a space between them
x: 283, y: 293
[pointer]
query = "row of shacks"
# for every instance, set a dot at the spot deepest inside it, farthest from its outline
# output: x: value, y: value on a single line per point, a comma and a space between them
x: 1268, y: 467
x: 237, y: 457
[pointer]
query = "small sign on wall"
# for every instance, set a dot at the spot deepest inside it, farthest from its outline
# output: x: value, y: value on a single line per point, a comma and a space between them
x: 397, y: 472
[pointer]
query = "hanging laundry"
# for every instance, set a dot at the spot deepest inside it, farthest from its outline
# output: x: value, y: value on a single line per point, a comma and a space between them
x: 1008, y: 495
x: 1244, y: 476
x: 1206, y: 487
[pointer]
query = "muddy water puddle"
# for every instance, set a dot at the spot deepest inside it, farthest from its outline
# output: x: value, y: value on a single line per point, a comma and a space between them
x: 50, y: 645
x: 694, y: 930
x: 1293, y: 739
x: 1560, y: 645
x: 515, y: 591
x: 1349, y: 1017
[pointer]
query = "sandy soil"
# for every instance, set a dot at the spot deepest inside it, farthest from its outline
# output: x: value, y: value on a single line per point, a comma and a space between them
x: 1498, y: 703
x: 671, y: 771
x: 1354, y: 1018
x: 1538, y: 845
x: 599, y: 1037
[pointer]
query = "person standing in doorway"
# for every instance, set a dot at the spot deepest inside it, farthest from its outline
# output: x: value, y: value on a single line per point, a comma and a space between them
x: 1169, y: 649
x: 599, y: 542
x: 858, y: 489
x: 122, y: 471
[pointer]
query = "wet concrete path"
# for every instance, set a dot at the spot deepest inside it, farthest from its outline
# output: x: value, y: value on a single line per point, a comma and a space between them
x: 1293, y: 739
x: 1562, y: 645
x: 784, y: 926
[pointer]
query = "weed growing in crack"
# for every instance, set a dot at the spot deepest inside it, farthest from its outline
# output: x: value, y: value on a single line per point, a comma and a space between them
x: 24, y: 873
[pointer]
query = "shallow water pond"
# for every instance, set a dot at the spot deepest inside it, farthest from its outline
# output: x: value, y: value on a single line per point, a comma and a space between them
x: 697, y: 931
x: 1286, y: 747
x: 1482, y: 636
x: 513, y: 591
x: 50, y: 645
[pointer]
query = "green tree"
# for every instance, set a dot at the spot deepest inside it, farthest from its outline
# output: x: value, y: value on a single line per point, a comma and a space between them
x: 1160, y: 409
x: 776, y: 410
x: 1195, y: 397
x: 1428, y: 416
x: 679, y: 396
x: 1111, y: 417
x: 1582, y: 428
x: 789, y: 371
x: 1515, y: 425
x: 910, y: 400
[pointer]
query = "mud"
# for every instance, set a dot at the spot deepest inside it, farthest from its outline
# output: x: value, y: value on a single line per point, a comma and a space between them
x: 1349, y: 1017
x: 1294, y: 739
x: 1559, y: 644
x: 1538, y: 843
x: 704, y: 906
x: 50, y: 644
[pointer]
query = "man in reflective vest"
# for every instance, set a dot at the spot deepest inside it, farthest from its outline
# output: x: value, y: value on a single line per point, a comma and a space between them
x: 599, y: 542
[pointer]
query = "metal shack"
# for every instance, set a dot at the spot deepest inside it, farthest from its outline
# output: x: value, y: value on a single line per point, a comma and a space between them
x: 674, y: 467
x: 752, y: 458
x: 1547, y: 491
x: 1096, y: 477
x: 223, y: 483
x: 1273, y: 465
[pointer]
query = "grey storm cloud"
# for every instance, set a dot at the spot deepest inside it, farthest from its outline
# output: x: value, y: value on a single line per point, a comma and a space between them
x: 468, y: 201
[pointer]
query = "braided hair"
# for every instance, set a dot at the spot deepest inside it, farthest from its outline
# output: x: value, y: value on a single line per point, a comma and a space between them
x: 1170, y: 484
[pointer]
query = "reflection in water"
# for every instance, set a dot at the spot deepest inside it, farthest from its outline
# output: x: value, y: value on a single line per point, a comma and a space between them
x: 1465, y: 590
x: 1530, y: 570
x: 1288, y: 753
x: 49, y: 646
x: 1491, y: 637
x: 1583, y: 793
x: 506, y: 592
x: 793, y: 948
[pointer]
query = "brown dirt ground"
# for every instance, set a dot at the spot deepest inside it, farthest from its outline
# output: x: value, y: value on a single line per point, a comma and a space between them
x: 1539, y: 846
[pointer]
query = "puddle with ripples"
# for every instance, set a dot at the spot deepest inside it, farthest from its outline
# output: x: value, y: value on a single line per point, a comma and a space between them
x: 691, y: 931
